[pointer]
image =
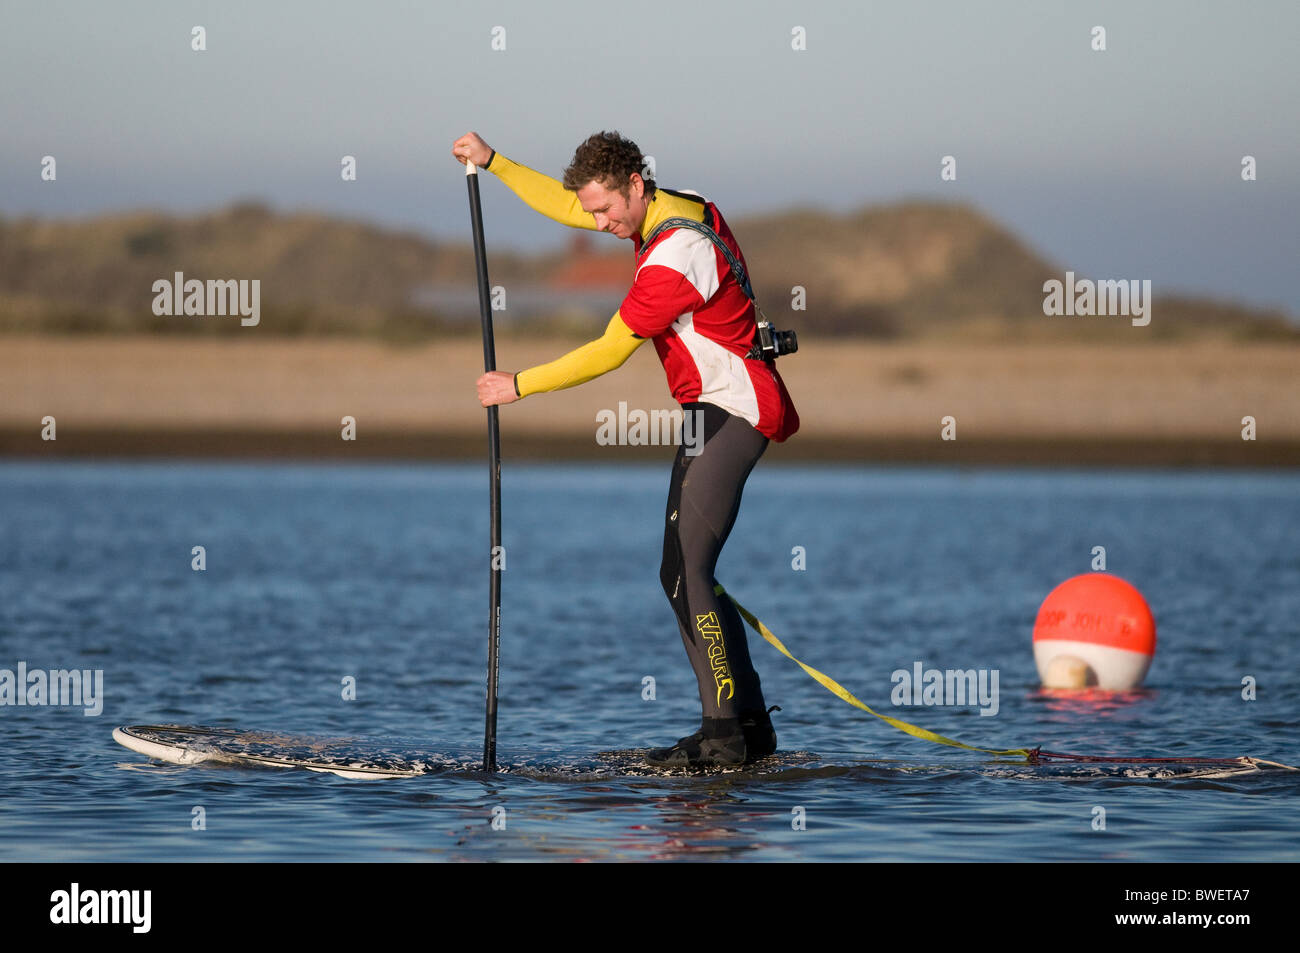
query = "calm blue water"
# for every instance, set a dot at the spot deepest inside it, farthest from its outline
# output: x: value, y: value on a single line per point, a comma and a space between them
x: 317, y: 573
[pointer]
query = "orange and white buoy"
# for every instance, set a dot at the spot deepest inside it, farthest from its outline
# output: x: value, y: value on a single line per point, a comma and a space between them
x: 1094, y: 630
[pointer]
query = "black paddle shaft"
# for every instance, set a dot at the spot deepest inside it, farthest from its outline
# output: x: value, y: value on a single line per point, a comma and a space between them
x: 496, y: 554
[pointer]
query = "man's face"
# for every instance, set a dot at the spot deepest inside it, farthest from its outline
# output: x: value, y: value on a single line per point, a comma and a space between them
x: 619, y: 216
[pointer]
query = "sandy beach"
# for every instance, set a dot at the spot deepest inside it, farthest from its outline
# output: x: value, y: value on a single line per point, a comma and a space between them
x: 1148, y: 404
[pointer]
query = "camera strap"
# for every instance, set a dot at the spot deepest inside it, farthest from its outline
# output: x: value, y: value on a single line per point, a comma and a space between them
x: 737, y: 269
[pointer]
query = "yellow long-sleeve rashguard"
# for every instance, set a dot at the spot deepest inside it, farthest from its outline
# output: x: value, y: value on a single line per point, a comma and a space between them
x: 582, y: 364
x: 542, y: 193
x: 549, y: 197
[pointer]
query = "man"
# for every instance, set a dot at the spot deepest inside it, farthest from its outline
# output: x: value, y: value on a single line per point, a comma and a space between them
x: 686, y: 299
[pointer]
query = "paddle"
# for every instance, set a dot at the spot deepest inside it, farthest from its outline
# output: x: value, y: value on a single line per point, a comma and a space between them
x: 494, y: 471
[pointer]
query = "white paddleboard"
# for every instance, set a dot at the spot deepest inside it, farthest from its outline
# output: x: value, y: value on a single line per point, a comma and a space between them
x: 346, y: 757
x: 361, y: 758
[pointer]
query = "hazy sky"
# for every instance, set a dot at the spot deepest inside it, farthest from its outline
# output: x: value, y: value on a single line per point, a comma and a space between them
x: 1122, y: 164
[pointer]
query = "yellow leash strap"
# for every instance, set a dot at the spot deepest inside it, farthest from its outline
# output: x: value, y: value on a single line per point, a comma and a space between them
x: 835, y: 688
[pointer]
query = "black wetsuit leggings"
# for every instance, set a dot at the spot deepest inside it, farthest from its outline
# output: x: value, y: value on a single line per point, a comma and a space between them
x: 703, y: 499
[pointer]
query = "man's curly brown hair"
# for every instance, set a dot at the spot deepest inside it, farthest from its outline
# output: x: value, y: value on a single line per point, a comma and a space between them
x: 609, y: 159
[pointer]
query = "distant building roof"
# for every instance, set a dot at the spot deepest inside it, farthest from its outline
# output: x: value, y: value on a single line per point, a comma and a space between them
x: 588, y: 269
x: 588, y: 282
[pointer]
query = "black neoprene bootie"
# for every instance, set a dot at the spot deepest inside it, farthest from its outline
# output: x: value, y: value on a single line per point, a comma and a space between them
x: 720, y: 742
x: 760, y: 736
x: 691, y: 743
